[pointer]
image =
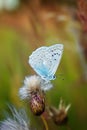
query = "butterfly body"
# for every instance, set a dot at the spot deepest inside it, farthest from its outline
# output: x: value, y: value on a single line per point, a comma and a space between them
x: 45, y: 60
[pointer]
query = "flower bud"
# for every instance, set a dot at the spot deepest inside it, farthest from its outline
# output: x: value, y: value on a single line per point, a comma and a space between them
x: 60, y: 115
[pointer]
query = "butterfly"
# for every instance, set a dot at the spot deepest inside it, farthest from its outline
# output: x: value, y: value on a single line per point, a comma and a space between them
x: 45, y: 60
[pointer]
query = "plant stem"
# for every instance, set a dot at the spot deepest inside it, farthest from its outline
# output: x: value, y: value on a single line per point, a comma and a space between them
x: 44, y: 122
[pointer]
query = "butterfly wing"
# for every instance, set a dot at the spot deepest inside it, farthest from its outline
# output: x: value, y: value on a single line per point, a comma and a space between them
x: 45, y: 60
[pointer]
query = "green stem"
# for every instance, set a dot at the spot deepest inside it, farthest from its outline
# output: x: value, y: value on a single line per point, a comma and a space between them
x: 44, y: 122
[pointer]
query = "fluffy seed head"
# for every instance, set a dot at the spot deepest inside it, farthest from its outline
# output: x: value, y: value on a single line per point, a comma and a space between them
x: 33, y: 84
x: 18, y: 121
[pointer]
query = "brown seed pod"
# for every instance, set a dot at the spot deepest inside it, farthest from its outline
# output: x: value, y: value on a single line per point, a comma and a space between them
x: 37, y: 103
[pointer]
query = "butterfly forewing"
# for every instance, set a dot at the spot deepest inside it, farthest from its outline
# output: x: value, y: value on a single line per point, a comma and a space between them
x: 55, y: 52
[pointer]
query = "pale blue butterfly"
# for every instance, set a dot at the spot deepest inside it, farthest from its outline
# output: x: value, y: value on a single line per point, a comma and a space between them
x: 45, y: 60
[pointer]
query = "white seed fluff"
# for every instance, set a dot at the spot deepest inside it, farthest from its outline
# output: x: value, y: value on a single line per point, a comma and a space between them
x: 18, y: 121
x: 31, y: 84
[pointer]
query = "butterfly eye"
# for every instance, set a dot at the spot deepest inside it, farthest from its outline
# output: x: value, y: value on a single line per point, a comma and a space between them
x: 54, y: 77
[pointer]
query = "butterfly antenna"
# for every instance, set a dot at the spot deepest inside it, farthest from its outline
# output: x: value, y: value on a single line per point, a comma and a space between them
x: 60, y: 75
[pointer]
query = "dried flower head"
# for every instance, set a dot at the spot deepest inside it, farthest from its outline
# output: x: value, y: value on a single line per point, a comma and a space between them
x: 60, y: 115
x: 33, y: 90
x: 19, y: 121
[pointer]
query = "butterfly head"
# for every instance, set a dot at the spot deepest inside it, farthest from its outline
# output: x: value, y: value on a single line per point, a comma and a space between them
x: 48, y: 78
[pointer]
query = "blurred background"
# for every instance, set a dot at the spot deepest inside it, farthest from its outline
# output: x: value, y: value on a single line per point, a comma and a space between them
x: 28, y: 24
